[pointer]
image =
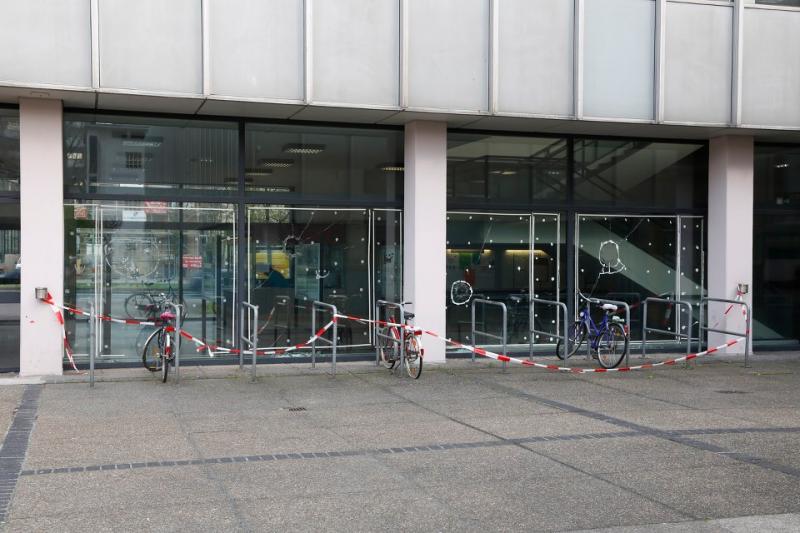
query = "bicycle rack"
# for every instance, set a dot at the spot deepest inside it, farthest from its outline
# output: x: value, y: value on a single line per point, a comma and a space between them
x: 178, y: 336
x: 533, y: 330
x: 747, y: 334
x: 246, y: 309
x: 627, y: 326
x: 319, y: 306
x: 475, y: 332
x: 383, y: 304
x: 677, y: 334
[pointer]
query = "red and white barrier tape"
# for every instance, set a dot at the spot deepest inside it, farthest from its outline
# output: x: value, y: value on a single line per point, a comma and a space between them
x: 60, y: 319
x: 202, y: 345
x: 555, y: 368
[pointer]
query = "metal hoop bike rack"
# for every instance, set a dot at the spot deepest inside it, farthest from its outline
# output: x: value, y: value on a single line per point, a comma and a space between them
x: 249, y: 340
x: 681, y: 304
x: 178, y: 329
x: 318, y: 306
x: 626, y: 327
x: 559, y: 305
x: 386, y: 306
x: 503, y: 338
x: 747, y: 334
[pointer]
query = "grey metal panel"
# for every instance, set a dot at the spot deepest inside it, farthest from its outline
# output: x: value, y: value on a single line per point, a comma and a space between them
x: 46, y: 42
x: 256, y: 48
x: 151, y: 45
x: 619, y: 59
x: 771, y: 68
x: 535, y: 56
x: 697, y: 77
x: 356, y: 52
x: 448, y: 54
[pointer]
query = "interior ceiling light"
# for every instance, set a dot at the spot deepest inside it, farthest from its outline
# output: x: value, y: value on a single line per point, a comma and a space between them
x: 782, y: 165
x: 305, y: 149
x: 504, y: 172
x: 393, y: 167
x: 276, y: 163
x: 258, y: 172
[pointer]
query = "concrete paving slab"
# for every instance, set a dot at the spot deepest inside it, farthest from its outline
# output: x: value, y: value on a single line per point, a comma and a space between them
x: 716, y: 491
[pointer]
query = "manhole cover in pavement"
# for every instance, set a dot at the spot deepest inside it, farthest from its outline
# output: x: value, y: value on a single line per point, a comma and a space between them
x: 295, y: 409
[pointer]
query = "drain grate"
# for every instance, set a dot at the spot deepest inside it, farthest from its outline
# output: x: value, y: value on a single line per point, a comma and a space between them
x: 296, y: 409
x: 731, y: 392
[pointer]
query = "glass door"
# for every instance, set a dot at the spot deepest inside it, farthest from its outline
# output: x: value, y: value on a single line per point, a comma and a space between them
x: 131, y: 259
x: 298, y: 255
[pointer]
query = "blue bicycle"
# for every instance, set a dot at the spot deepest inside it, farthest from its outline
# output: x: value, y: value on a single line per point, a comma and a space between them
x: 607, y: 341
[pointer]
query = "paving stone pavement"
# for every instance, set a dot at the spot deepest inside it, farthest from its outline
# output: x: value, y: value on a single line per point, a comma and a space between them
x: 711, y: 447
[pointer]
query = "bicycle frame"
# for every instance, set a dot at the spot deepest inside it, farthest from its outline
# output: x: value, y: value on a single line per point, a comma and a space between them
x: 593, y: 330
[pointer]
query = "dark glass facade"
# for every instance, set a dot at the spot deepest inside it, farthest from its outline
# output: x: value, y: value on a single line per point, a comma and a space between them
x: 776, y: 245
x: 209, y: 213
x: 10, y: 264
x: 549, y: 217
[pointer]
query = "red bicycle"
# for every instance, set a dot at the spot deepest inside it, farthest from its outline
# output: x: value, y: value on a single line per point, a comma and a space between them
x: 389, y: 339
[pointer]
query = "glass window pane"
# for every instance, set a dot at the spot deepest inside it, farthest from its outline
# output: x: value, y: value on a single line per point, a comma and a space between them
x: 521, y: 170
x: 641, y: 173
x: 131, y: 155
x: 776, y: 277
x: 785, y: 3
x: 310, y: 161
x: 9, y: 151
x: 628, y: 259
x: 488, y: 257
x: 297, y: 256
x: 777, y: 176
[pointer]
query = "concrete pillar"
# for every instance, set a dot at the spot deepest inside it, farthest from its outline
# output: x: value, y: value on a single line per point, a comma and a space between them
x: 730, y: 230
x: 41, y: 233
x: 425, y: 229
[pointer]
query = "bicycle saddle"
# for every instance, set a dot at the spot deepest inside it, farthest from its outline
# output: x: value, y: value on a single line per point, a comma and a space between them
x: 408, y: 315
x: 609, y: 307
x: 167, y: 315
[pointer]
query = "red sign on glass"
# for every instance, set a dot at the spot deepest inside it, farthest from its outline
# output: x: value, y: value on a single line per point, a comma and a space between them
x: 155, y: 208
x: 192, y: 261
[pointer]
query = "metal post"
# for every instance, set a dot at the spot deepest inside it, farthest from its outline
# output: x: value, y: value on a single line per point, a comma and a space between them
x: 92, y: 342
x: 505, y: 336
x: 644, y: 329
x: 254, y: 340
x: 749, y: 337
x: 313, y: 331
x: 241, y: 336
x: 472, y: 338
x: 700, y: 326
x: 335, y: 343
x: 203, y: 317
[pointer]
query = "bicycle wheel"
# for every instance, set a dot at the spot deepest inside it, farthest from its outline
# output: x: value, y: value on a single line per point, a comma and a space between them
x: 612, y: 346
x: 152, y: 353
x: 413, y: 356
x: 576, y: 333
x: 139, y: 306
x: 388, y: 348
x: 165, y: 368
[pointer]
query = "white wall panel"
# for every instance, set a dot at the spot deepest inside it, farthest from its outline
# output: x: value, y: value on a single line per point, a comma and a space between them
x: 535, y: 56
x: 771, y: 68
x: 151, y: 45
x: 256, y: 48
x: 356, y: 52
x: 448, y: 50
x: 46, y: 41
x: 619, y: 58
x: 697, y: 73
